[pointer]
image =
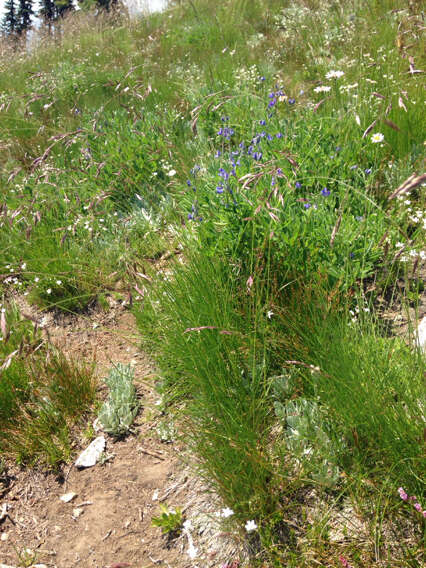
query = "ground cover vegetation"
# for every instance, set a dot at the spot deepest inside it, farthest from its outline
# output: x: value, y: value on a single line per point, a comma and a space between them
x: 249, y: 175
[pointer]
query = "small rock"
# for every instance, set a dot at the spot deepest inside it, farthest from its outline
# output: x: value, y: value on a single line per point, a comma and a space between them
x: 6, y: 566
x: 76, y: 513
x: 91, y: 454
x: 421, y: 334
x: 67, y: 497
x: 4, y: 536
x: 38, y: 566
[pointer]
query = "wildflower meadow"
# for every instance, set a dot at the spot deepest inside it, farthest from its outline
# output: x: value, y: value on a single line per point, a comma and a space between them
x: 248, y: 177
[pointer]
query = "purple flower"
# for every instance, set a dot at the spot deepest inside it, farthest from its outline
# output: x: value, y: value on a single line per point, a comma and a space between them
x: 291, y: 101
x: 271, y: 95
x: 418, y: 507
x: 262, y: 122
x: 368, y: 171
x: 403, y: 494
x: 298, y: 185
x: 279, y: 135
x: 190, y: 216
x: 188, y: 182
x: 219, y: 189
x: 262, y: 78
x: 272, y: 103
x: 218, y: 154
x: 307, y: 205
x: 325, y: 192
x: 354, y: 167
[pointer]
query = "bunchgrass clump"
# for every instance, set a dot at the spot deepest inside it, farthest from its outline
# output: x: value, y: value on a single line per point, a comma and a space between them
x: 43, y: 395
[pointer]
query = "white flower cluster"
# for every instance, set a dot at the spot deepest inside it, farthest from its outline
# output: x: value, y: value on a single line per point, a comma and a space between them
x: 334, y: 74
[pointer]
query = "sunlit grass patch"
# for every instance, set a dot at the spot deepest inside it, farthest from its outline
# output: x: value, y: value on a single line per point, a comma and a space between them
x: 43, y: 395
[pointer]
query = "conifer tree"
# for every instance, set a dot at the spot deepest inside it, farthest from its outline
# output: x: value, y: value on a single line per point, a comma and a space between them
x: 47, y: 11
x: 10, y: 20
x: 63, y: 6
x: 25, y: 12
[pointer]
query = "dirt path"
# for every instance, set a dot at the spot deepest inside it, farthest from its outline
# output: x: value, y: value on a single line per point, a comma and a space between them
x: 115, y: 501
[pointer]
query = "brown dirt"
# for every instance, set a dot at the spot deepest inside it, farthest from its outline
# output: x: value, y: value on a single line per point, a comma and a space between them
x: 118, y: 498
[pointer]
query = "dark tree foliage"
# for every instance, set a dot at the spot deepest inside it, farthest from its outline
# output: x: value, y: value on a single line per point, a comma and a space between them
x: 10, y: 20
x: 25, y: 12
x: 47, y: 10
x: 63, y: 7
x: 106, y: 4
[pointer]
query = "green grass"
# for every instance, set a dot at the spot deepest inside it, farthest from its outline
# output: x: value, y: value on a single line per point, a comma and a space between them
x: 43, y: 396
x: 211, y: 135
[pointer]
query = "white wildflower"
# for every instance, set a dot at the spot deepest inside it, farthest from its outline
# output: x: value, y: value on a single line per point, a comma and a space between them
x: 377, y: 137
x: 171, y: 173
x: 322, y: 89
x: 250, y: 526
x: 334, y: 74
x: 49, y: 291
x: 227, y: 512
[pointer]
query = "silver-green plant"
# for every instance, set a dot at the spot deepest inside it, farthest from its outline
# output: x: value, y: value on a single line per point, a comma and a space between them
x: 119, y: 410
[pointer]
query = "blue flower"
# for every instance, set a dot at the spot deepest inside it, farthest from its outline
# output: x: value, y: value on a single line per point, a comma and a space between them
x: 262, y: 78
x: 291, y: 101
x: 188, y: 182
x: 298, y: 185
x: 272, y: 103
x: 219, y: 189
x: 368, y: 171
x: 279, y: 135
x: 262, y: 122
x: 218, y: 154
x: 307, y: 205
x: 325, y: 192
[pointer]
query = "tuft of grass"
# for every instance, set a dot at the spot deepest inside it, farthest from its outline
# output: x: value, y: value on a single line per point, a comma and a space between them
x: 43, y: 396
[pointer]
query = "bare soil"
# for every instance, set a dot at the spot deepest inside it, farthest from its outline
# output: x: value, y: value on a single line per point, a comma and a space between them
x: 116, y: 500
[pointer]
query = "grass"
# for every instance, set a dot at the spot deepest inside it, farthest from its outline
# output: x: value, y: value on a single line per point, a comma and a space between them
x: 42, y: 397
x: 232, y: 170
